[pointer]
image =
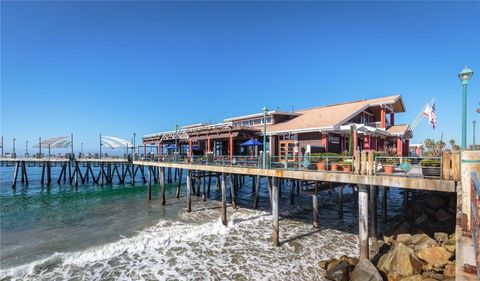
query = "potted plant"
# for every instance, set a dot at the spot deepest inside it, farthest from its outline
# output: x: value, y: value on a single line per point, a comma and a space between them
x: 389, y: 165
x: 430, y: 167
x: 334, y: 164
x: 346, y: 166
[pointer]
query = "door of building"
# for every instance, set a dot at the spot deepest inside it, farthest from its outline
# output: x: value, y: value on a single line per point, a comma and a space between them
x: 286, y: 150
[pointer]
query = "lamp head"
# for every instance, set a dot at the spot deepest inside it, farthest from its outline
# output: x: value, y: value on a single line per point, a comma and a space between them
x: 465, y: 75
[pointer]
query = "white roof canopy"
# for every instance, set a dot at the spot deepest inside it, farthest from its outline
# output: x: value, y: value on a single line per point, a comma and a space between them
x: 55, y: 142
x: 114, y: 142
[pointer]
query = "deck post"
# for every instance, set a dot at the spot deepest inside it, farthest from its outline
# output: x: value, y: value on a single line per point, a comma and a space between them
x: 384, y: 204
x: 269, y: 181
x: 15, y: 174
x: 49, y: 173
x: 161, y: 180
x: 189, y: 191
x: 233, y: 191
x: 275, y: 227
x: 363, y: 220
x: 209, y: 183
x: 199, y: 182
x: 292, y: 191
x: 25, y: 173
x: 149, y: 169
x: 256, y: 191
x: 204, y: 194
x: 42, y: 180
x: 316, y: 224
x: 224, y: 199
x: 177, y: 192
x: 340, y: 201
x: 373, y: 211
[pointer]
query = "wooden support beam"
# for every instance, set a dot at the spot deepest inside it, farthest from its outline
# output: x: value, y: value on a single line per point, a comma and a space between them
x: 25, y: 173
x: 316, y: 223
x: 161, y: 180
x: 15, y: 175
x: 275, y: 221
x: 204, y: 192
x: 149, y: 183
x: 340, y: 201
x: 373, y: 211
x: 363, y: 220
x: 209, y: 183
x: 363, y: 165
x: 446, y: 165
x: 189, y: 191
x: 269, y: 182
x: 224, y: 200
x: 49, y: 173
x: 233, y: 191
x: 256, y: 192
x: 179, y: 184
x: 292, y: 192
x: 42, y: 180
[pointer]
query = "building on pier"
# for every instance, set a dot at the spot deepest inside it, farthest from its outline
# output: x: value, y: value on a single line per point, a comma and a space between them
x: 318, y: 129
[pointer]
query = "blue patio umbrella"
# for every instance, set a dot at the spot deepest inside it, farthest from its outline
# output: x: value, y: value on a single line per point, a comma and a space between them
x: 195, y: 147
x: 170, y: 146
x: 252, y: 142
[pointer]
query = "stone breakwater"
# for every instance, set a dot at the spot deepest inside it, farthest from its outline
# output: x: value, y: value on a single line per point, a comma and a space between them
x: 421, y: 247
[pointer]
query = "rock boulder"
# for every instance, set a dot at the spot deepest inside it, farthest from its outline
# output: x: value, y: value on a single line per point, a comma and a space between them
x: 365, y: 271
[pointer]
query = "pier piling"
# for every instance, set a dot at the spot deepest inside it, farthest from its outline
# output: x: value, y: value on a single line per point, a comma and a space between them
x: 161, y: 179
x: 363, y: 220
x: 224, y: 200
x: 373, y: 212
x: 316, y: 223
x: 275, y: 227
x: 189, y: 191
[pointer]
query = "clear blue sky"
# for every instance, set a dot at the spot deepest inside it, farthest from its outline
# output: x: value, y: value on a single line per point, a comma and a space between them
x: 124, y: 67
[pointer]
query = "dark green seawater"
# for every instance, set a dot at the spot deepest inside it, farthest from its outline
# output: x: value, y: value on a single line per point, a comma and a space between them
x: 115, y: 233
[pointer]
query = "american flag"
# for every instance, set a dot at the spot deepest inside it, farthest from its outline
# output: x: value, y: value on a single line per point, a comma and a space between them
x: 429, y: 112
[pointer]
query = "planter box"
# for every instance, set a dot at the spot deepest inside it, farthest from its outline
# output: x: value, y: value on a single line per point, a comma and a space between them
x: 431, y: 172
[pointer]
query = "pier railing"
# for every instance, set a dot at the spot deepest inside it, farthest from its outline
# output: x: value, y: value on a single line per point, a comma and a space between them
x: 424, y: 167
x: 363, y: 163
x: 475, y: 220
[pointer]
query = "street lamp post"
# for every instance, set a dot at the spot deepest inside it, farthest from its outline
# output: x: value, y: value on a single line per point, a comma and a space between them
x: 464, y: 76
x: 474, y: 123
x: 81, y: 148
x: 26, y: 148
x: 264, y: 154
x: 100, y: 146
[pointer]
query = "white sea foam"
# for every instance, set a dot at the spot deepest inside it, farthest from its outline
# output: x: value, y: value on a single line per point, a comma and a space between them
x: 201, y: 251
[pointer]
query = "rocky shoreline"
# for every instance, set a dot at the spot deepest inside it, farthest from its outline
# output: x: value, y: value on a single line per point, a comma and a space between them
x: 421, y: 247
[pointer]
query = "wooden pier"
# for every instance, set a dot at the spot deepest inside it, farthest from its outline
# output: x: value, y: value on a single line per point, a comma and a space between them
x: 364, y: 181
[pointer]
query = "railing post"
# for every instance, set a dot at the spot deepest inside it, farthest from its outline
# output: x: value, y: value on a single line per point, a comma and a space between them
x: 446, y: 165
x: 370, y: 165
x: 363, y: 166
x: 357, y: 162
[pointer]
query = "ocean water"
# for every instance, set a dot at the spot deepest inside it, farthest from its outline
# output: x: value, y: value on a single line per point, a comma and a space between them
x: 116, y: 233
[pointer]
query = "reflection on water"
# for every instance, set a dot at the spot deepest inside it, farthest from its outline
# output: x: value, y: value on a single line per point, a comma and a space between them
x: 114, y: 232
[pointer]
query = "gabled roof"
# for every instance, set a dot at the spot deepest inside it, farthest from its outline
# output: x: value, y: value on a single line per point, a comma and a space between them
x: 334, y: 115
x: 397, y: 129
